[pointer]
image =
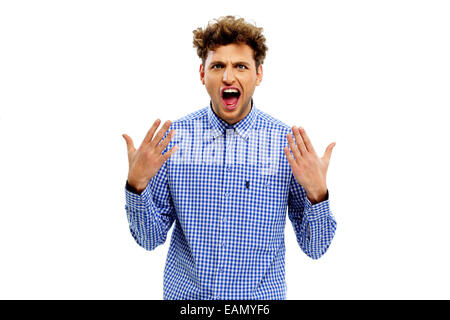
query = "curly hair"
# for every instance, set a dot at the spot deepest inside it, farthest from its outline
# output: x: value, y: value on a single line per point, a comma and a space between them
x: 229, y: 30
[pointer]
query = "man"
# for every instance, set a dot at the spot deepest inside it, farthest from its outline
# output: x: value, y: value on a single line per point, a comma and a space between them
x: 228, y: 185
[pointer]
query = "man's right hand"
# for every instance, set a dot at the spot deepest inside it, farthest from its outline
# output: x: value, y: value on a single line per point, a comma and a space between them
x: 145, y: 162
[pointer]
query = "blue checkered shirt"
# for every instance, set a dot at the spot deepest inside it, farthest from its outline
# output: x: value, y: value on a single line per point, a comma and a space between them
x: 227, y: 190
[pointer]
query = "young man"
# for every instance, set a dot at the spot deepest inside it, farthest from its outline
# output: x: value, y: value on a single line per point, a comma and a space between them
x: 228, y: 185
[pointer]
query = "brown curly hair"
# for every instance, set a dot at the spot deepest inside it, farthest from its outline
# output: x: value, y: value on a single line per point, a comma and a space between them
x: 229, y: 30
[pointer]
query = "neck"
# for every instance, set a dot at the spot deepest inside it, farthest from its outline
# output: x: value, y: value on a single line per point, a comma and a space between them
x: 233, y: 121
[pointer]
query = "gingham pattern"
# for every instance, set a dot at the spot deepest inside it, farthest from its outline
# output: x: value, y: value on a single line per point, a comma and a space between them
x: 228, y: 240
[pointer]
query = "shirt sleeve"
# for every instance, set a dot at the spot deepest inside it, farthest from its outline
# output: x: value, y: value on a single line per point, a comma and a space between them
x: 314, y: 225
x: 151, y: 214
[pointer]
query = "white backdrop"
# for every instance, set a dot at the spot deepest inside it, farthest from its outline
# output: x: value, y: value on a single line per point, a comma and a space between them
x: 371, y: 75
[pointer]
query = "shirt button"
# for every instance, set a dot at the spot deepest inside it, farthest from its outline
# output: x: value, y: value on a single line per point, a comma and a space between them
x: 228, y: 169
x: 223, y: 244
x: 227, y: 194
x: 224, y: 219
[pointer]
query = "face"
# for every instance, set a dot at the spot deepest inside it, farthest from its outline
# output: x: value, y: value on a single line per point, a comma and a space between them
x: 230, y: 77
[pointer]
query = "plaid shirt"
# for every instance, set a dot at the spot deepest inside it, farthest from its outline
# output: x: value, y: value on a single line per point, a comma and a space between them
x: 227, y: 190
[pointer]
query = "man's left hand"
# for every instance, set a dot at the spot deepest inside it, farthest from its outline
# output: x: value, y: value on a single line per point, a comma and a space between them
x: 309, y: 170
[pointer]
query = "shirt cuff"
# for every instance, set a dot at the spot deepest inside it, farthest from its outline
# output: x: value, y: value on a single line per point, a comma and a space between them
x: 319, y: 210
x: 135, y: 200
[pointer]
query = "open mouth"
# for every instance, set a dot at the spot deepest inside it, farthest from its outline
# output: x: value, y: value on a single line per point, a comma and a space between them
x: 230, y: 97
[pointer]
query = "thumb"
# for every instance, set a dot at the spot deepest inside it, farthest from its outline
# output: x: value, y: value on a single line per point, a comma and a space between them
x: 129, y: 141
x: 327, y: 154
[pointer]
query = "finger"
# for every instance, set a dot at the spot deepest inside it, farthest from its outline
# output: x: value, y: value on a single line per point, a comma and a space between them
x: 289, y: 157
x: 299, y: 140
x: 169, y: 153
x: 166, y: 141
x: 160, y: 134
x: 327, y: 154
x: 306, y: 140
x: 148, y: 137
x: 293, y: 147
x: 129, y: 141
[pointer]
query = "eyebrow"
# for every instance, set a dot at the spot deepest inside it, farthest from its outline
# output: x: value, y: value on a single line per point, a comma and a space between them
x: 234, y: 63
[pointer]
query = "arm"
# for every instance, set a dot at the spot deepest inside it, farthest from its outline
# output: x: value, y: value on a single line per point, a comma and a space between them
x: 308, y: 202
x: 149, y: 206
x: 314, y: 225
x: 151, y: 213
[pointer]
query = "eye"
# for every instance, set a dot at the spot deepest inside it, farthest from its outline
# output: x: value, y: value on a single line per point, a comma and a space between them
x: 216, y: 65
x: 241, y: 65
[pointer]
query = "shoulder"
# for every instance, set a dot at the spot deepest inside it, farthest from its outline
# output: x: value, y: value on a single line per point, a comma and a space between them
x: 266, y: 121
x: 191, y: 118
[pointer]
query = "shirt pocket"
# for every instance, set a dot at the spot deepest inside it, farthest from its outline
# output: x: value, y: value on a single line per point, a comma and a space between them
x: 260, y: 214
x: 259, y: 182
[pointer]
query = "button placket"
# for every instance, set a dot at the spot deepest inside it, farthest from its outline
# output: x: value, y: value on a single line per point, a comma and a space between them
x: 227, y: 193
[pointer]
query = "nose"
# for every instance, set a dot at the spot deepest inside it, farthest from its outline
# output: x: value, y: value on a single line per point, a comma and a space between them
x: 228, y: 75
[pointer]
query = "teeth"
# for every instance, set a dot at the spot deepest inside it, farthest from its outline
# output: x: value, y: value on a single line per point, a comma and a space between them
x: 230, y: 90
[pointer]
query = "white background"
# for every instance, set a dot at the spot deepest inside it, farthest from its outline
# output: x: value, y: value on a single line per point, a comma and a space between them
x: 373, y: 76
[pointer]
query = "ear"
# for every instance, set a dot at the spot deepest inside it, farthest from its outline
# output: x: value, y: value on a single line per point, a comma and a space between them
x: 202, y: 74
x: 259, y: 75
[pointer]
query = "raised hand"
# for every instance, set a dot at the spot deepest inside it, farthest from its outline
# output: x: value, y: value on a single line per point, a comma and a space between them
x: 145, y: 162
x: 308, y: 169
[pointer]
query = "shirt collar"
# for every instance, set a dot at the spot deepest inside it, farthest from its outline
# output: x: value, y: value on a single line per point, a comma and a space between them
x: 242, y: 128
